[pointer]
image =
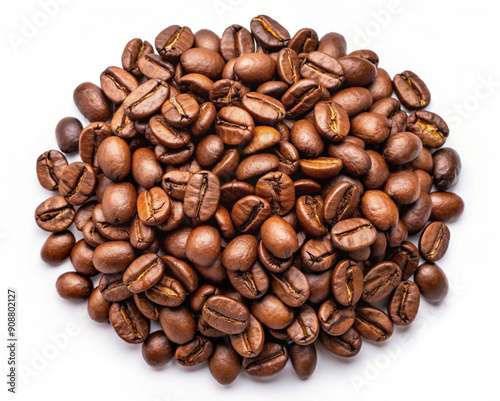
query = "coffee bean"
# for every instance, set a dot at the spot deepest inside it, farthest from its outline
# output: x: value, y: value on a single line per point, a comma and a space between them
x: 380, y: 281
x: 403, y: 306
x: 411, y: 90
x: 272, y: 312
x: 432, y: 282
x: 379, y: 209
x: 249, y: 343
x: 269, y: 33
x: 255, y: 68
x: 353, y: 234
x: 429, y: 127
x: 403, y: 187
x: 434, y: 241
x: 68, y: 134
x: 54, y: 214
x: 447, y: 166
x: 308, y: 210
x: 335, y: 319
x: 407, y: 257
x: 234, y: 125
x: 303, y: 359
x: 78, y: 182
x: 90, y: 139
x: 353, y: 100
x: 331, y: 120
x: 202, y: 196
x: 381, y: 87
x: 173, y: 41
x: 277, y: 188
x: 113, y: 256
x: 371, y: 127
x: 302, y: 96
x: 340, y: 203
x: 130, y: 325
x: 203, y: 246
x: 291, y: 286
x: 133, y: 52
x: 91, y: 102
x: 416, y: 215
x: 324, y: 68
x: 401, y: 148
x: 146, y: 99
x: 224, y: 364
x: 226, y: 314
x: 227, y: 92
x: 318, y: 254
x: 373, y: 324
x: 57, y: 247
x: 446, y: 206
x: 73, y: 286
x: 288, y: 66
x: 240, y: 253
x: 143, y: 273
x: 117, y: 83
x: 157, y: 350
x: 209, y: 150
x: 194, y: 352
x: 355, y: 159
x: 236, y: 41
x: 180, y: 111
x: 263, y: 109
x: 252, y: 283
x: 50, y: 168
x: 98, y: 307
x: 270, y: 361
x: 279, y: 237
x: 346, y: 345
x: 357, y: 70
x: 347, y: 282
x: 153, y: 206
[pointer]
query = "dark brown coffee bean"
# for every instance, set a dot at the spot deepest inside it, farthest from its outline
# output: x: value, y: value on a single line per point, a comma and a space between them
x: 306, y: 139
x: 167, y: 291
x: 355, y: 159
x: 175, y: 243
x: 226, y: 314
x: 194, y: 352
x: 143, y: 273
x: 203, y: 245
x: 321, y: 167
x: 357, y: 70
x: 249, y: 343
x: 153, y: 206
x: 227, y: 92
x: 174, y: 156
x: 146, y: 307
x: 57, y: 247
x: 333, y: 44
x: 114, y: 158
x: 50, y: 168
x: 178, y: 324
x: 146, y: 99
x: 202, y: 61
x: 403, y: 186
x: 371, y: 127
x: 98, y: 307
x: 240, y: 253
x: 270, y: 361
x: 256, y: 165
x: 432, y: 282
x: 68, y: 134
x: 252, y: 283
x: 303, y: 359
x: 182, y: 272
x: 424, y: 161
x: 335, y: 319
x: 227, y: 165
x: 209, y: 150
x: 130, y: 325
x: 429, y: 127
x: 279, y: 237
x: 224, y: 364
x: 113, y: 256
x: 353, y: 100
x: 346, y: 345
x: 324, y: 68
x: 119, y: 202
x: 291, y: 286
x: 411, y: 90
x: 304, y: 41
x: 234, y: 125
x: 146, y: 169
x: 117, y: 83
x: 90, y: 139
x: 277, y: 188
x: 254, y: 68
x: 288, y: 66
x: 92, y: 236
x: 380, y: 281
x: 305, y: 327
x: 381, y: 87
x: 373, y: 324
x: 166, y: 134
x: 353, y: 234
x: 306, y: 186
x: 403, y: 306
x: 122, y: 126
x: 340, y: 202
x: 447, y: 166
x: 347, y: 282
x: 223, y: 219
x: 132, y: 53
x: 425, y: 180
x: 331, y: 120
x: 180, y: 111
x: 401, y: 148
x: 302, y: 96
x: 272, y: 312
x: 202, y: 196
x: 271, y: 262
x: 407, y: 257
x: 157, y: 350
x: 446, y: 206
x: 113, y: 288
x: 269, y: 33
x: 318, y: 255
x: 263, y: 109
x: 264, y: 138
x: 119, y: 232
x: 81, y: 259
x: 236, y: 41
x: 174, y: 183
x: 173, y: 41
x: 308, y: 210
x: 379, y: 209
x: 433, y: 242
x: 91, y: 102
x: 73, y: 286
x: 417, y: 214
x: 54, y: 214
x: 154, y: 66
x: 78, y: 182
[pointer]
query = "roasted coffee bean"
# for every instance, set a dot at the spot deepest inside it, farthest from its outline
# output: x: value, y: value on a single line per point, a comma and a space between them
x: 167, y: 291
x: 302, y: 96
x: 240, y: 253
x: 447, y: 166
x: 54, y: 214
x: 202, y: 196
x: 306, y: 186
x: 272, y: 312
x: 346, y: 345
x: 78, y: 182
x: 153, y: 66
x: 146, y: 169
x: 380, y: 281
x: 68, y: 134
x: 119, y: 202
x: 73, y: 286
x: 434, y: 241
x: 122, y: 126
x: 371, y: 127
x: 168, y: 135
x: 411, y: 90
x: 180, y: 111
x: 249, y: 213
x: 291, y: 286
x: 263, y: 109
x: 264, y: 138
x: 353, y: 100
x: 277, y: 188
x: 236, y: 41
x: 57, y: 247
x: 203, y: 246
x: 335, y: 319
x: 227, y: 165
x: 92, y: 236
x: 114, y: 158
x: 119, y: 232
x: 429, y: 127
x: 347, y: 282
x: 117, y: 83
x: 194, y: 352
x: 143, y: 273
x: 182, y: 272
x: 199, y: 297
x: 209, y: 150
x: 90, y: 139
x: 306, y: 139
x: 381, y: 87
x: 226, y: 314
x: 224, y: 364
x: 305, y: 327
x: 91, y: 102
x: 403, y: 306
x: 174, y: 183
x: 146, y: 99
x: 252, y: 283
x: 234, y: 125
x: 432, y: 282
x: 223, y: 219
x: 324, y: 68
x: 417, y: 214
x: 331, y: 120
x: 153, y: 206
x: 113, y: 256
x: 446, y: 206
x: 353, y: 234
x: 249, y: 342
x: 373, y: 324
x: 130, y: 325
x: 379, y: 209
x: 403, y: 186
x: 288, y: 66
x: 269, y: 33
x: 173, y: 41
x: 407, y: 257
x: 355, y: 160
x: 357, y: 71
x: 113, y: 288
x: 304, y: 41
x: 340, y: 202
x: 133, y: 52
x: 227, y: 92
x: 178, y: 324
x: 333, y: 44
x: 424, y: 161
x: 157, y: 350
x: 318, y: 254
x: 175, y: 243
x: 279, y: 237
x: 254, y: 68
x: 303, y: 359
x: 425, y: 181
x: 321, y: 167
x: 202, y: 61
x: 270, y: 361
x: 401, y: 148
x: 308, y: 210
x: 271, y: 262
x: 81, y: 259
x: 145, y: 306
x: 98, y: 307
x: 50, y: 168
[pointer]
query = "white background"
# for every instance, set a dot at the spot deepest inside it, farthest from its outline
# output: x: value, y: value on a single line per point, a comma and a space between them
x: 451, y: 351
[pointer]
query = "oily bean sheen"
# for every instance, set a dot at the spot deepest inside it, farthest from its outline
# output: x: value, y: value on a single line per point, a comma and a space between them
x: 254, y: 193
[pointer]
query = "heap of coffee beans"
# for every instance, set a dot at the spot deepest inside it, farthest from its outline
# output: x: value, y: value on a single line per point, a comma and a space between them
x: 253, y: 194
